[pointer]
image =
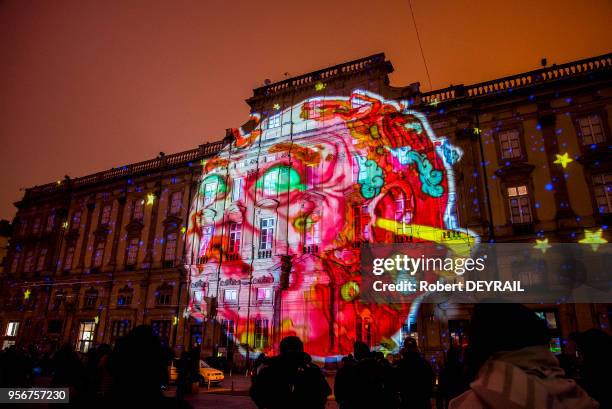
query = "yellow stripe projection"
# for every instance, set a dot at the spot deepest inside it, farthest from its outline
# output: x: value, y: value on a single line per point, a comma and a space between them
x: 458, y: 241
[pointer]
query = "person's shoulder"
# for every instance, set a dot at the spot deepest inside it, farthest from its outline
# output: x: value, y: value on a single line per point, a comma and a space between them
x: 314, y: 368
x: 467, y: 400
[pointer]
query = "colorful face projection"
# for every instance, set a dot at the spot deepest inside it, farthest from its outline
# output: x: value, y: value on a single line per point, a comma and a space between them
x: 315, y: 180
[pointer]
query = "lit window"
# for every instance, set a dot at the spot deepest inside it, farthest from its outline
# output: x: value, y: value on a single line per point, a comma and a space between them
x: 11, y: 329
x: 132, y: 251
x: 264, y: 294
x: 50, y: 223
x: 120, y: 328
x: 357, y: 99
x: 176, y: 202
x: 29, y: 262
x: 550, y: 319
x: 230, y: 296
x: 91, y: 299
x: 311, y: 176
x: 266, y: 234
x: 591, y: 129
x: 270, y: 183
x: 313, y: 229
x: 210, y: 193
x: 98, y: 254
x: 161, y: 328
x: 274, y: 121
x: 261, y: 333
x: 316, y: 108
x: 237, y: 189
x: 68, y: 258
x: 228, y: 328
x: 235, y: 232
x: 58, y: 300
x: 170, y: 252
x: 403, y: 217
x: 509, y: 144
x: 76, y: 220
x: 602, y: 187
x: 163, y: 295
x: 520, y: 204
x: 361, y: 223
x: 125, y: 296
x: 36, y: 226
x: 106, y: 214
x: 359, y: 172
x: 207, y: 234
x: 42, y: 258
x: 138, y: 213
x: 86, y: 336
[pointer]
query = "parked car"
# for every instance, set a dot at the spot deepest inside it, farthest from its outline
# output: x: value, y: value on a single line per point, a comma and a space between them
x: 207, y: 373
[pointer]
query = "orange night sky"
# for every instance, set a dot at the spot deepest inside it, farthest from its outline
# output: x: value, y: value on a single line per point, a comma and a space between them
x: 89, y: 85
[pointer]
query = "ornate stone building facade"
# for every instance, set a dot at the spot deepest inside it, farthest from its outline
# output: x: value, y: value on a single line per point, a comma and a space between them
x: 92, y: 257
x: 162, y: 243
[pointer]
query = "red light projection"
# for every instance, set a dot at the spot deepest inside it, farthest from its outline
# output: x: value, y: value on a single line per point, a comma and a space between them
x: 276, y: 228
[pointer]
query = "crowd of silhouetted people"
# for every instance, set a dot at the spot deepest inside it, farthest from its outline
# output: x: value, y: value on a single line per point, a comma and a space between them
x: 132, y: 374
x: 507, y: 365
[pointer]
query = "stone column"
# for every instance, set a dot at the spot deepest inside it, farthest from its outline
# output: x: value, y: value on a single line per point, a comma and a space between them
x: 547, y: 122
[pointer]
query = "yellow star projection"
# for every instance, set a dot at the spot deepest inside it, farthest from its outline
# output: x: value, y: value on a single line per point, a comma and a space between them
x: 150, y: 198
x: 542, y: 245
x: 593, y: 237
x: 434, y: 102
x: 26, y: 294
x: 320, y: 86
x: 477, y: 131
x: 563, y: 160
x: 276, y: 106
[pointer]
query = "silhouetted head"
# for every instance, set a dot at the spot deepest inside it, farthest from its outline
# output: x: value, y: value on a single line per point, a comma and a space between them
x: 594, y: 343
x: 137, y: 363
x: 104, y: 349
x: 410, y: 344
x: 497, y: 327
x: 290, y: 345
x: 361, y: 350
x: 453, y: 356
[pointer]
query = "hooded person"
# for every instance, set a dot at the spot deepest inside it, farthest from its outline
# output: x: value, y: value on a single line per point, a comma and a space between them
x: 290, y: 380
x: 514, y: 368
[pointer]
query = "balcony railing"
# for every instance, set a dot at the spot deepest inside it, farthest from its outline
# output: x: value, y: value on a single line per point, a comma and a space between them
x: 264, y: 254
x: 311, y: 249
x: 348, y: 68
x: 520, y: 81
x: 134, y: 169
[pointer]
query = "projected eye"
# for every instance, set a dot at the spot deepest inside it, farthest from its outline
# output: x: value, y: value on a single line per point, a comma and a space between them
x: 211, y: 186
x: 280, y: 179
